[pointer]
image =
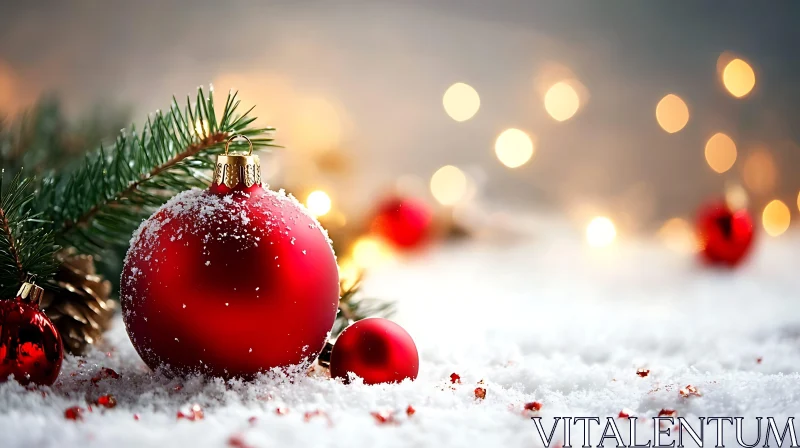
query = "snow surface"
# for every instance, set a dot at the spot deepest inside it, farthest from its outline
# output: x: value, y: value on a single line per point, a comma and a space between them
x: 548, y: 320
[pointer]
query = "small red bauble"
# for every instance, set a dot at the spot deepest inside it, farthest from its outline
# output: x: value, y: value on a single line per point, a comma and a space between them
x: 30, y: 346
x: 725, y: 236
x: 377, y: 350
x: 404, y: 222
x: 229, y: 281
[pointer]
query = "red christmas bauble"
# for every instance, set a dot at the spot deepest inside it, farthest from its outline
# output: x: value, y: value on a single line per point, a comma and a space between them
x: 30, y: 346
x: 377, y: 350
x: 404, y: 222
x: 725, y: 236
x: 229, y: 282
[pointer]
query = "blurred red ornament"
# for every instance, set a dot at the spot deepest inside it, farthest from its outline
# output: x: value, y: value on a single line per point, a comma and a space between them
x: 30, y: 346
x: 404, y: 222
x: 229, y: 281
x: 725, y: 236
x: 377, y: 350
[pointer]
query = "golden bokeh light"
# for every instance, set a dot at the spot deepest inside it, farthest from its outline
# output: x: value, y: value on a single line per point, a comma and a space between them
x: 776, y: 218
x: 315, y: 125
x: 370, y: 252
x: 600, y: 232
x: 759, y: 171
x: 736, y: 197
x: 201, y: 127
x: 318, y: 203
x: 672, y: 113
x: 678, y: 235
x: 513, y: 148
x: 561, y: 101
x: 739, y: 78
x: 461, y: 101
x: 720, y: 152
x: 798, y: 201
x: 448, y: 185
x: 349, y: 272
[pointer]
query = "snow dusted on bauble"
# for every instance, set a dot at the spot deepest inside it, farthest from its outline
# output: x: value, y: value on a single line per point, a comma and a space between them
x: 229, y: 281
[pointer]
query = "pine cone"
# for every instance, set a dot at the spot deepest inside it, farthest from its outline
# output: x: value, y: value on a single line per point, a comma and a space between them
x: 77, y: 302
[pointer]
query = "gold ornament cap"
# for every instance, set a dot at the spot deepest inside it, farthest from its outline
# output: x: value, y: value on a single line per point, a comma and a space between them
x: 235, y: 169
x: 29, y: 292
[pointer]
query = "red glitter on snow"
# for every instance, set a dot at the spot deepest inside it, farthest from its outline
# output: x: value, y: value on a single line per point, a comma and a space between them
x: 455, y: 378
x: 533, y: 406
x: 107, y: 401
x: 237, y: 441
x: 626, y: 413
x: 410, y: 411
x: 191, y: 413
x: 178, y: 388
x: 643, y: 372
x: 136, y: 417
x: 480, y: 393
x: 317, y: 413
x: 688, y: 391
x: 104, y: 372
x: 668, y: 413
x: 759, y: 359
x: 252, y: 420
x: 74, y: 413
x: 281, y: 410
x: 384, y: 417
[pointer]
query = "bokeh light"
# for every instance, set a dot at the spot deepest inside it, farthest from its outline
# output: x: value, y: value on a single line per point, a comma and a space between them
x: 561, y: 101
x: 600, y: 232
x: 315, y: 125
x: 318, y: 203
x: 461, y: 101
x: 448, y: 185
x: 736, y: 196
x: 370, y: 252
x: 798, y: 201
x: 672, y: 113
x: 513, y: 148
x: 349, y: 272
x: 720, y: 152
x: 759, y: 171
x: 201, y: 128
x: 678, y: 235
x: 776, y: 218
x: 738, y: 77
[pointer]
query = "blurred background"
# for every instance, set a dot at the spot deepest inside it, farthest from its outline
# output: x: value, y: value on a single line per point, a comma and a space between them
x: 624, y: 115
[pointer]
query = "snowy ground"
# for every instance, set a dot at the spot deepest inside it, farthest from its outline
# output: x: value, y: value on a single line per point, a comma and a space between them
x: 547, y: 320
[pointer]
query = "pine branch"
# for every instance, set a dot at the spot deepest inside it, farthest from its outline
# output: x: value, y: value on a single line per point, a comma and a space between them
x: 13, y: 254
x: 26, y: 247
x: 100, y: 204
x: 352, y: 308
x: 42, y: 138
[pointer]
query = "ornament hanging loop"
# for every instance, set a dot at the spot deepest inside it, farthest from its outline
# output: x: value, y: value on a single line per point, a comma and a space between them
x: 31, y: 293
x: 233, y: 170
x: 234, y: 137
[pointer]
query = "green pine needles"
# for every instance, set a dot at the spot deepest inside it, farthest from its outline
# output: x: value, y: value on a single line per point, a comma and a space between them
x: 97, y: 205
x: 27, y: 249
